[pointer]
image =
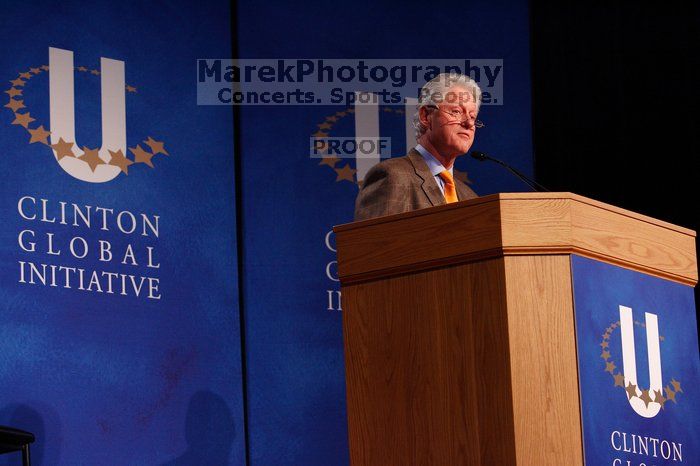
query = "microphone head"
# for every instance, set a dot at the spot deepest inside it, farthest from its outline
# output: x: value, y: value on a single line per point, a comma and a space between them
x: 480, y: 156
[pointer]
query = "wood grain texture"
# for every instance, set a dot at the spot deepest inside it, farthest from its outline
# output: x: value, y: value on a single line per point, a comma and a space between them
x: 459, y: 327
x: 515, y: 224
x: 427, y: 368
x: 616, y: 238
x: 543, y: 361
x: 384, y: 246
x: 465, y: 365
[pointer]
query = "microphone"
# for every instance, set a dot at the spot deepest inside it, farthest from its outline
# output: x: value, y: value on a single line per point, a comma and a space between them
x: 534, y: 185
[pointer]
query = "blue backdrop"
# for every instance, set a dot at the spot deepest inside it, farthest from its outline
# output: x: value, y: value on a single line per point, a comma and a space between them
x: 105, y: 378
x: 294, y: 349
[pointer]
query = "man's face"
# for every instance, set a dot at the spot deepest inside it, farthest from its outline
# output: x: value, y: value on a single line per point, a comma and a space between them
x: 451, y: 126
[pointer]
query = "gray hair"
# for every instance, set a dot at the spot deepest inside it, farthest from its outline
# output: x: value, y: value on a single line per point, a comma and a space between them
x: 433, y: 93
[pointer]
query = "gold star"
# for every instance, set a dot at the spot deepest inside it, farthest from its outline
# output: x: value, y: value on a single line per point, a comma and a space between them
x: 399, y: 111
x: 141, y: 156
x: 631, y: 390
x: 156, y: 146
x: 608, y: 330
x: 605, y: 355
x: 340, y: 114
x: 659, y: 398
x: 130, y: 88
x: 670, y: 394
x: 676, y: 386
x: 35, y: 70
x: 345, y: 173
x: 610, y: 367
x: 350, y: 110
x: 646, y: 398
x: 39, y: 135
x: 332, y: 119
x: 17, y: 82
x: 25, y: 75
x: 95, y: 72
x: 45, y: 67
x: 118, y: 160
x: 15, y: 105
x: 325, y: 126
x: 23, y: 119
x: 320, y: 134
x: 82, y: 69
x: 605, y: 344
x: 330, y: 161
x: 606, y: 336
x: 614, y: 325
x: 12, y: 92
x: 387, y: 109
x: 91, y: 157
x: 619, y: 380
x: 63, y: 149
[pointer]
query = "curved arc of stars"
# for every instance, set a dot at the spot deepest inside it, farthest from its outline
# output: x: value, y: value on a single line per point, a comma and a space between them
x: 671, y: 389
x: 65, y: 148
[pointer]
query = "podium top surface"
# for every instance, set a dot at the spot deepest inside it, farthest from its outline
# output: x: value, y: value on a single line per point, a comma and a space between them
x: 515, y: 224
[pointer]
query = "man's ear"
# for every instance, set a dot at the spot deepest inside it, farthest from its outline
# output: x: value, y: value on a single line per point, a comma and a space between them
x: 423, y: 116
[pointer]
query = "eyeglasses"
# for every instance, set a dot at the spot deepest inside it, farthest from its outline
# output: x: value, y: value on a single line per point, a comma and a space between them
x: 457, y: 115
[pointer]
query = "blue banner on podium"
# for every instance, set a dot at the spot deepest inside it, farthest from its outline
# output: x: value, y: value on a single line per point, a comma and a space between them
x: 638, y: 367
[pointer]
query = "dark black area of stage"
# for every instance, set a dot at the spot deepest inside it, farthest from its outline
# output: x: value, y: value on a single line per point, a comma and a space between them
x: 615, y: 104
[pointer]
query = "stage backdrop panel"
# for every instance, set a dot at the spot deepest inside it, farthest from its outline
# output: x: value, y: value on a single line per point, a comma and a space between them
x: 638, y: 366
x: 294, y: 347
x: 119, y: 332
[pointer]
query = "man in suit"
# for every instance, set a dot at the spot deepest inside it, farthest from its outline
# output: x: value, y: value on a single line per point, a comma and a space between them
x: 445, y: 126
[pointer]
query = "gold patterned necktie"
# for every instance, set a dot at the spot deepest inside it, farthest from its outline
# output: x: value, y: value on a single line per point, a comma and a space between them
x: 450, y: 192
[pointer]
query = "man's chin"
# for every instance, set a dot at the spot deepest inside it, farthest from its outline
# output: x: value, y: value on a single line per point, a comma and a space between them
x: 464, y: 148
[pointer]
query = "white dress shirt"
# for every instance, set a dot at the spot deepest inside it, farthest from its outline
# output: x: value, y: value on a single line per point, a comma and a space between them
x: 435, y: 166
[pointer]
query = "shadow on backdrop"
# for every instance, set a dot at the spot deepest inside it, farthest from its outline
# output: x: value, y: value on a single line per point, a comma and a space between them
x: 209, y: 431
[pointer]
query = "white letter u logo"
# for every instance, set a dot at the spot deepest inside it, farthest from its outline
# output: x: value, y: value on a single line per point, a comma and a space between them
x: 643, y: 408
x: 62, y: 108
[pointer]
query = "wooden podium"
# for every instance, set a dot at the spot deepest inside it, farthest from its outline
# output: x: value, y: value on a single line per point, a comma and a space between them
x: 459, y: 324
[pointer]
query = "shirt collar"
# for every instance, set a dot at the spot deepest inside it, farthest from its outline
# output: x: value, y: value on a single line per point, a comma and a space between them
x: 433, y: 164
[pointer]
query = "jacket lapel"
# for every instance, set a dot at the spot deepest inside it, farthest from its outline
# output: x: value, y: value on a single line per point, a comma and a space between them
x: 429, y: 185
x: 463, y: 191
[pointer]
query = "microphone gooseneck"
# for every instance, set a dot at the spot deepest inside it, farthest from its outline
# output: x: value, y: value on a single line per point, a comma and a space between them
x: 534, y: 185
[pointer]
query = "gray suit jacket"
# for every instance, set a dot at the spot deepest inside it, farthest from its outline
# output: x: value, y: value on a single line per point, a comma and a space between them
x: 400, y: 185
